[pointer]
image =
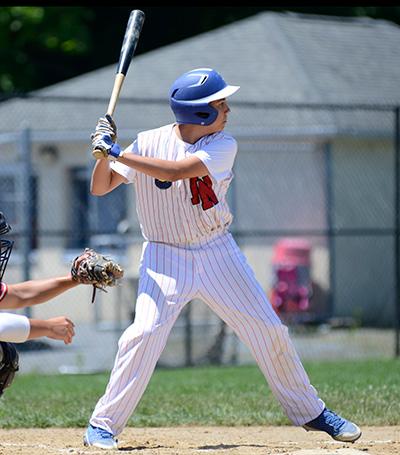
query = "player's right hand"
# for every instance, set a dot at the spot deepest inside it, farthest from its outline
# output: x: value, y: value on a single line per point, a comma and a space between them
x: 61, y: 328
x: 102, y: 142
x: 109, y: 149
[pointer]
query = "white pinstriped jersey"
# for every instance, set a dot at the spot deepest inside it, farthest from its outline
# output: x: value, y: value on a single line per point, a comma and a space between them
x: 186, y: 211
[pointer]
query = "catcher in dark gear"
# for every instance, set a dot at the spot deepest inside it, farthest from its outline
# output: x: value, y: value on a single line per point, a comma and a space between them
x: 17, y: 328
x: 9, y: 364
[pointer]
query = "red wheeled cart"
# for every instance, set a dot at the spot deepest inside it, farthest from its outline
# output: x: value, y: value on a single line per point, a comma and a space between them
x: 292, y: 287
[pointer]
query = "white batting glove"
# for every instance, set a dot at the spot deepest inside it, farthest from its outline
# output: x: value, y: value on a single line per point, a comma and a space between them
x: 105, y: 125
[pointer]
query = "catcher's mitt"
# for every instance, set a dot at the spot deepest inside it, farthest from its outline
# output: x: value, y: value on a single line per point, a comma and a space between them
x: 93, y: 268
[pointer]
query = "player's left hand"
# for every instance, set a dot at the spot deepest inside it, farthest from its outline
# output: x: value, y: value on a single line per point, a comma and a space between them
x: 105, y: 125
x: 104, y: 138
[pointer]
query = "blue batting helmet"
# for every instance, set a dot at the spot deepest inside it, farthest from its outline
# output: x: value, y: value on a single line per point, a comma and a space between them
x: 192, y: 92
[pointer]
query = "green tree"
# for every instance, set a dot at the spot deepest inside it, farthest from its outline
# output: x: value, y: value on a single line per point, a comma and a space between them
x: 40, y: 45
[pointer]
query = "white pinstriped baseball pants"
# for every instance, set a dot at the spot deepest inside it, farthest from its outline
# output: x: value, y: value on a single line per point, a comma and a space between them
x: 216, y: 272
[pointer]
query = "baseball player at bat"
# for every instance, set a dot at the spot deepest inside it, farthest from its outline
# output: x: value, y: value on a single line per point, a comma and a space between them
x: 181, y: 173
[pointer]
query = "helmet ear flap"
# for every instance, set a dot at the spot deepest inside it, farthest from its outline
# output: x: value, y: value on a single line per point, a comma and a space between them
x: 193, y: 114
x: 203, y: 115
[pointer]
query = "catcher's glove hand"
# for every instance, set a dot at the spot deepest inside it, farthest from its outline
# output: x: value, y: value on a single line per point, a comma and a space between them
x: 93, y: 268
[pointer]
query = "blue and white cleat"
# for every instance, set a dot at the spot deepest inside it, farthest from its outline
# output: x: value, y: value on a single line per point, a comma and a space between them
x: 97, y: 437
x: 337, y: 427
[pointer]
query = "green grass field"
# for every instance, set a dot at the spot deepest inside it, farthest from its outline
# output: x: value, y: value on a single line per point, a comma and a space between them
x: 366, y: 391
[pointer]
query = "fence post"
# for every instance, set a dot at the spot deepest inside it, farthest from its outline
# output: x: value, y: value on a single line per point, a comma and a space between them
x: 188, y: 335
x: 330, y: 229
x: 26, y: 212
x: 397, y: 229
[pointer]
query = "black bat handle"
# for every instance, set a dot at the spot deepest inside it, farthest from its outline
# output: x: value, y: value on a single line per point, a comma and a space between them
x: 131, y: 38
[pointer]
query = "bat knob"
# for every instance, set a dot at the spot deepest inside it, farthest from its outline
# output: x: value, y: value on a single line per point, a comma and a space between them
x: 98, y: 154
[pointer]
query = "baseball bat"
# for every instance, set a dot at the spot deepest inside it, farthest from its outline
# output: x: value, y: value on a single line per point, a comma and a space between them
x: 131, y: 38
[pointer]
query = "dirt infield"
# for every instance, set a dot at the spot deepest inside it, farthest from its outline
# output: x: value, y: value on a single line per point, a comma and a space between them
x: 198, y: 440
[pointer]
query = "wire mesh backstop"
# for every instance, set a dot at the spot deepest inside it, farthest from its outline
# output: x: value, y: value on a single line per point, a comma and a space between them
x: 326, y: 175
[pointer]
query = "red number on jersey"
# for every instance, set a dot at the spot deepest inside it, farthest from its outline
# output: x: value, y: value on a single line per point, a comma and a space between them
x: 201, y: 189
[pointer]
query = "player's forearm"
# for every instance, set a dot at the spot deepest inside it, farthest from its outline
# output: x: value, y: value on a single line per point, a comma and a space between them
x: 38, y: 328
x: 165, y: 169
x: 59, y: 328
x: 101, y: 178
x: 154, y: 167
x: 34, y: 292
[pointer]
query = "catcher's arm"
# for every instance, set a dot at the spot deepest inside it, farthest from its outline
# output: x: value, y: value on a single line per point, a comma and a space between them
x: 14, y: 327
x: 17, y: 328
x: 33, y: 292
x: 58, y: 328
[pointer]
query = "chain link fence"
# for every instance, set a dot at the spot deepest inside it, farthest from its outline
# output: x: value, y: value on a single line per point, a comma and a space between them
x: 326, y: 176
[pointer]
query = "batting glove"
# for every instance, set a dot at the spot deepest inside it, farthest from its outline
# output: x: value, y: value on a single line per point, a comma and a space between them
x: 105, y: 125
x: 106, y: 144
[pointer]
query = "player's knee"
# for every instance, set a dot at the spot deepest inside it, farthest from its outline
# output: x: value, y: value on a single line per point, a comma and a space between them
x: 137, y: 332
x: 268, y: 319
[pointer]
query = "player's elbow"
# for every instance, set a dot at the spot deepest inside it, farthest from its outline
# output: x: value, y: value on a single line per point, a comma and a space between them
x: 97, y: 192
x: 97, y: 189
x: 170, y: 174
x: 186, y: 168
x: 103, y: 184
x: 173, y: 175
x: 17, y: 298
x: 177, y: 172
